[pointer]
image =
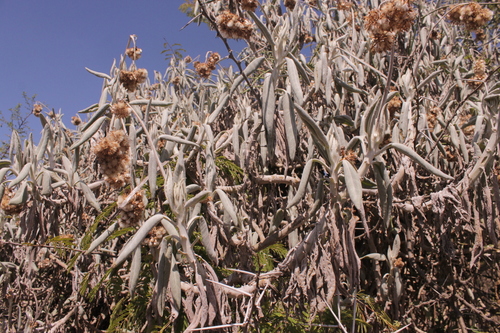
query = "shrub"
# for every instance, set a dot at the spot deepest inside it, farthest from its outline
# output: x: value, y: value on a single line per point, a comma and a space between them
x: 342, y: 172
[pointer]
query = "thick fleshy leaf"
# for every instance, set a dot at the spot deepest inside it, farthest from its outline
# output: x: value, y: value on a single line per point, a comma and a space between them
x: 353, y: 184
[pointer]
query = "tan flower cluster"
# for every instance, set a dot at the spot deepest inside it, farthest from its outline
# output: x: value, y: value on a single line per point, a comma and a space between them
x: 113, y: 156
x: 394, y: 106
x: 385, y: 22
x: 133, y: 53
x: 470, y: 15
x: 233, y: 26
x: 432, y: 115
x: 155, y: 236
x: 8, y: 208
x: 204, y: 69
x: 121, y: 109
x: 290, y: 4
x: 75, y: 120
x: 133, y: 211
x: 37, y: 109
x: 130, y: 79
x: 250, y: 5
x: 479, y: 73
x: 344, y: 5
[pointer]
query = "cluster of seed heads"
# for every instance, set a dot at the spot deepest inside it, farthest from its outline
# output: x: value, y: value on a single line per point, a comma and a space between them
x: 6, y: 206
x: 113, y: 156
x: 155, y: 236
x: 133, y: 53
x: 204, y: 69
x: 130, y: 79
x: 470, y: 15
x: 233, y: 26
x: 290, y: 4
x: 121, y: 109
x: 479, y: 73
x: 385, y: 22
x: 133, y: 210
x: 250, y: 5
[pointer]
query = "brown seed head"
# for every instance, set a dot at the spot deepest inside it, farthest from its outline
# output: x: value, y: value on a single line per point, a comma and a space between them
x: 470, y: 15
x: 250, y: 5
x: 133, y: 53
x: 37, y: 109
x: 290, y: 4
x: 6, y: 206
x: 133, y: 211
x: 113, y: 156
x: 121, y: 109
x: 233, y: 26
x: 75, y: 120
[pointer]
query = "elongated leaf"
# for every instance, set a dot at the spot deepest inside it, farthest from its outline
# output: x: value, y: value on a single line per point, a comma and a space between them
x: 152, y: 173
x: 135, y: 270
x: 319, y: 137
x: 89, y: 133
x: 268, y: 108
x: 42, y: 145
x: 151, y: 102
x: 197, y: 198
x: 177, y: 140
x: 353, y: 184
x: 206, y: 240
x: 228, y: 206
x: 21, y: 196
x: 222, y: 104
x: 89, y: 195
x: 137, y: 238
x: 175, y: 283
x: 293, y: 76
x: 98, y: 74
x: 252, y: 67
x: 23, y: 174
x: 375, y: 256
x: 384, y: 191
x: 291, y: 131
x: 99, y: 240
x: 46, y: 183
x: 301, y: 191
x: 163, y: 275
x: 90, y: 108
x: 263, y: 29
x: 417, y: 158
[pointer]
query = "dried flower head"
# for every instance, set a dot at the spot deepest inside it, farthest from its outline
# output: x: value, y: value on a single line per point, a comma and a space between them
x: 121, y: 109
x: 290, y: 4
x: 130, y: 79
x: 155, y: 236
x: 344, y: 5
x: 233, y: 26
x: 479, y: 73
x: 133, y: 53
x: 6, y: 206
x: 382, y: 42
x: 75, y: 120
x: 394, y: 106
x: 176, y: 80
x: 133, y: 211
x: 470, y: 15
x: 204, y: 69
x: 435, y: 34
x: 113, y: 156
x: 37, y: 109
x: 250, y: 5
x: 383, y: 23
x: 432, y: 115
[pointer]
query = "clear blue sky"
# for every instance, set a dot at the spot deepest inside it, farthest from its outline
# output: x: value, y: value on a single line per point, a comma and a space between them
x: 46, y: 45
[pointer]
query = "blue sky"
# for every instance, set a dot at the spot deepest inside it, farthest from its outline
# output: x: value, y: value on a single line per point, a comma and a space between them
x: 46, y: 45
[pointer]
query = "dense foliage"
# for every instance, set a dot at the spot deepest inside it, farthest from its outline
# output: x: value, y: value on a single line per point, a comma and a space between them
x: 340, y: 173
